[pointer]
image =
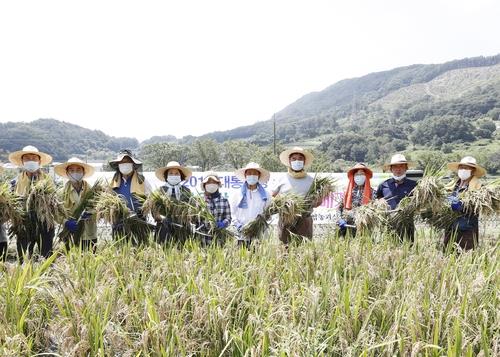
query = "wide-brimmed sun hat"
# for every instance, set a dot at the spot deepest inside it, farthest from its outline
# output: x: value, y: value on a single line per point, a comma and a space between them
x: 359, y: 166
x: 285, y: 156
x: 210, y: 175
x: 61, y: 168
x: 468, y: 161
x: 263, y: 177
x: 160, y: 173
x: 17, y: 157
x: 121, y: 155
x: 396, y: 160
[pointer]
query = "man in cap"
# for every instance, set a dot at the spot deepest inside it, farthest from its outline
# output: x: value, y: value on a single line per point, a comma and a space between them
x: 394, y: 189
x: 251, y: 200
x: 30, y: 160
x: 129, y: 183
x: 297, y: 160
x: 465, y: 229
x: 359, y: 192
x: 76, y: 171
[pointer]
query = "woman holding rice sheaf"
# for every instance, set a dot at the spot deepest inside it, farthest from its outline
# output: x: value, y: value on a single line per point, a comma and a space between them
x: 30, y: 160
x: 167, y: 228
x: 465, y: 229
x: 359, y: 192
x: 251, y: 200
x: 129, y: 184
x: 75, y: 170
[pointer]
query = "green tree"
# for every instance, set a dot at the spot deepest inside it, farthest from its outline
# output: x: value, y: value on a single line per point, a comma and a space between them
x: 158, y: 155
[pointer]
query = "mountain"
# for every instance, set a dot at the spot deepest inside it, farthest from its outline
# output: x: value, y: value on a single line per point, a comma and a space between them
x: 429, y: 106
x: 60, y: 139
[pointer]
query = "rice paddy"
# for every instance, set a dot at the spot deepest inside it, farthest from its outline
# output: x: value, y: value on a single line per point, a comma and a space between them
x: 366, y: 296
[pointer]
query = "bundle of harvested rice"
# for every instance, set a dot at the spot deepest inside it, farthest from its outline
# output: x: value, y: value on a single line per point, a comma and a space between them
x: 158, y: 204
x: 43, y: 201
x: 289, y: 207
x: 484, y: 202
x: 372, y: 215
x: 86, y: 204
x: 10, y: 205
x: 321, y: 188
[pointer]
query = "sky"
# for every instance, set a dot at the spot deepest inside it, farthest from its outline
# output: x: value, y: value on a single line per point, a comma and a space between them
x: 144, y: 68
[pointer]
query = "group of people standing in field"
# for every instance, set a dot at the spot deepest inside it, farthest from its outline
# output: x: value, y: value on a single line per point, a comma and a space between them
x: 234, y: 212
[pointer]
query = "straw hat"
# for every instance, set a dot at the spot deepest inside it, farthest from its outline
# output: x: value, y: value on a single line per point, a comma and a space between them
x: 61, y: 168
x: 264, y: 174
x: 121, y: 155
x: 210, y: 175
x: 359, y: 166
x: 396, y: 160
x: 160, y: 173
x: 469, y: 161
x: 17, y: 157
x: 285, y: 156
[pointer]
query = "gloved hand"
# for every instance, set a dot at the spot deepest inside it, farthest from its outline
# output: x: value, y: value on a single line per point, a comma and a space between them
x: 85, y: 215
x: 221, y: 224
x: 456, y: 205
x: 238, y: 226
x: 71, y: 225
x: 341, y: 223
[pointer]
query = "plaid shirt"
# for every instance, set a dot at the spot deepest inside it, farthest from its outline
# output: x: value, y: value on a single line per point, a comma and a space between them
x: 219, y: 207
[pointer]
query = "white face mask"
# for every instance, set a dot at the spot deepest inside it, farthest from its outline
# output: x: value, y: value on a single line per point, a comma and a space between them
x: 211, y: 187
x: 31, y: 166
x: 252, y: 179
x: 464, y: 174
x: 297, y: 165
x: 360, y: 179
x: 174, y: 179
x: 126, y: 168
x: 75, y: 177
x: 399, y: 178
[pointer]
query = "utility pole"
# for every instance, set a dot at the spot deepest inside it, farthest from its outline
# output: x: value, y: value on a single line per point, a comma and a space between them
x: 274, y: 134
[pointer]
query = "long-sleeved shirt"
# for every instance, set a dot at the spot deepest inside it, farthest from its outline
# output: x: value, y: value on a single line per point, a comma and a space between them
x: 393, y: 193
x: 255, y: 203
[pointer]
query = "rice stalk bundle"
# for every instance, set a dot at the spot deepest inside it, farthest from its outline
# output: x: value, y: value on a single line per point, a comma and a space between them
x: 429, y: 193
x: 289, y: 207
x: 321, y: 188
x: 43, y: 201
x: 484, y: 202
x: 371, y: 216
x: 10, y: 205
x: 159, y: 204
x: 441, y: 217
x: 111, y: 208
x: 86, y: 204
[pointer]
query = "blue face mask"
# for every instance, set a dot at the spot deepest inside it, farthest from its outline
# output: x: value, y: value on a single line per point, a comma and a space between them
x: 252, y: 179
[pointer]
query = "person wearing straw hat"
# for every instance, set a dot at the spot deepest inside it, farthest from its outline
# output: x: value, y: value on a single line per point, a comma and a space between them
x: 251, y: 200
x: 359, y: 192
x: 173, y: 175
x: 394, y: 189
x: 30, y: 160
x: 465, y: 229
x: 297, y: 160
x: 218, y: 206
x: 75, y: 170
x: 129, y: 184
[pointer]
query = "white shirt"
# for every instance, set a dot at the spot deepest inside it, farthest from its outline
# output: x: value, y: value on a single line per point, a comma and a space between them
x: 255, y: 206
x: 288, y: 183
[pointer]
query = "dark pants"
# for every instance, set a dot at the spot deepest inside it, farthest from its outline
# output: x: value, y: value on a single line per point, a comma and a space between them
x: 466, y: 240
x: 405, y: 232
x: 44, y: 239
x: 85, y: 244
x: 347, y: 232
x: 168, y: 233
x: 3, y: 250
x: 303, y: 227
